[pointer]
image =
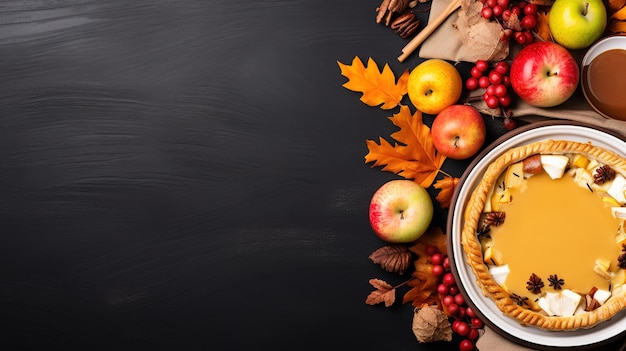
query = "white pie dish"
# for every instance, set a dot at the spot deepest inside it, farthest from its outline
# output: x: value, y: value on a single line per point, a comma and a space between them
x: 527, y: 335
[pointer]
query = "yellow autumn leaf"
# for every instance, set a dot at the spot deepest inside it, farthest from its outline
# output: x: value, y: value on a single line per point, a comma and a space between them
x: 378, y: 87
x: 413, y: 156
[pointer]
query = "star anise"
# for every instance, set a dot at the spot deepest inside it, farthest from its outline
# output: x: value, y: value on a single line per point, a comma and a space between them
x: 519, y: 300
x: 556, y: 282
x: 621, y: 260
x: 603, y: 174
x: 534, y: 284
x: 494, y: 218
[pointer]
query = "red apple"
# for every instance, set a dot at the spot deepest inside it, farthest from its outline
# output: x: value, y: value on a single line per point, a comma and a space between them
x: 544, y: 74
x: 400, y: 211
x: 458, y: 132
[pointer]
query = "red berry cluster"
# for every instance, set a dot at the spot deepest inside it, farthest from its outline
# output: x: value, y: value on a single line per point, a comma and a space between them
x: 496, y: 83
x: 466, y: 323
x: 517, y: 18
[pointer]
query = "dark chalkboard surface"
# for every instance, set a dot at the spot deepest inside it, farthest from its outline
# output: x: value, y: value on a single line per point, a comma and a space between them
x: 189, y: 175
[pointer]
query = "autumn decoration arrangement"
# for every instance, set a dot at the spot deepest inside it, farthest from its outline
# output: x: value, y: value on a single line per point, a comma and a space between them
x: 411, y: 152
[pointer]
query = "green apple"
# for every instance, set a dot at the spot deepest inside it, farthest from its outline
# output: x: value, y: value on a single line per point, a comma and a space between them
x: 576, y: 24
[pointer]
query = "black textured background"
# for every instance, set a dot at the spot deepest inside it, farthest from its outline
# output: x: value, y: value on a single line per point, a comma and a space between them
x: 189, y: 175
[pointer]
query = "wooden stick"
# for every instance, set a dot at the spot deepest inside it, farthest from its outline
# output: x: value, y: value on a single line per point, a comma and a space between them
x: 428, y: 30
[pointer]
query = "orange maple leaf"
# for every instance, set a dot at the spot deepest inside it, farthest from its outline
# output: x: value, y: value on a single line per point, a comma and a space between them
x: 415, y: 158
x: 384, y: 293
x: 424, y: 285
x: 446, y: 187
x: 542, y: 28
x: 378, y: 88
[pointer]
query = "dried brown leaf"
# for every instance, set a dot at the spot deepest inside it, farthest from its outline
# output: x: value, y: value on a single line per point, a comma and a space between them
x: 384, y: 293
x: 431, y: 324
x: 392, y: 258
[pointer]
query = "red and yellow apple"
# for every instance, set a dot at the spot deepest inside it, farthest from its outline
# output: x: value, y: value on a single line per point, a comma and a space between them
x: 400, y: 211
x: 458, y: 131
x: 544, y: 74
x: 434, y: 85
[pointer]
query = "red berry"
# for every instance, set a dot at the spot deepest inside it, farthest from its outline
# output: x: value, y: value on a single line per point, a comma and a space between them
x: 495, y: 77
x: 506, y: 80
x: 497, y: 10
x: 491, y: 90
x: 473, y: 334
x: 438, y: 270
x: 516, y: 10
x: 453, y: 308
x: 520, y: 38
x: 431, y: 249
x: 475, y: 72
x: 459, y: 300
x: 506, y: 15
x: 504, y: 3
x: 446, y: 262
x: 476, y: 323
x: 528, y: 22
x: 447, y: 300
x: 509, y: 123
x: 487, y: 12
x: 502, y: 67
x: 471, y: 313
x: 483, y: 82
x: 492, y: 101
x: 448, y: 279
x: 491, y: 3
x: 454, y: 290
x: 461, y: 313
x: 437, y: 258
x: 530, y: 9
x: 499, y: 90
x: 529, y: 37
x: 482, y: 65
x: 505, y: 100
x: 443, y: 289
x: 461, y: 328
x: 466, y: 345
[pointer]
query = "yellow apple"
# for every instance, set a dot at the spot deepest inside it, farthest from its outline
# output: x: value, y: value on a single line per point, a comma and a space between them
x: 434, y: 85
